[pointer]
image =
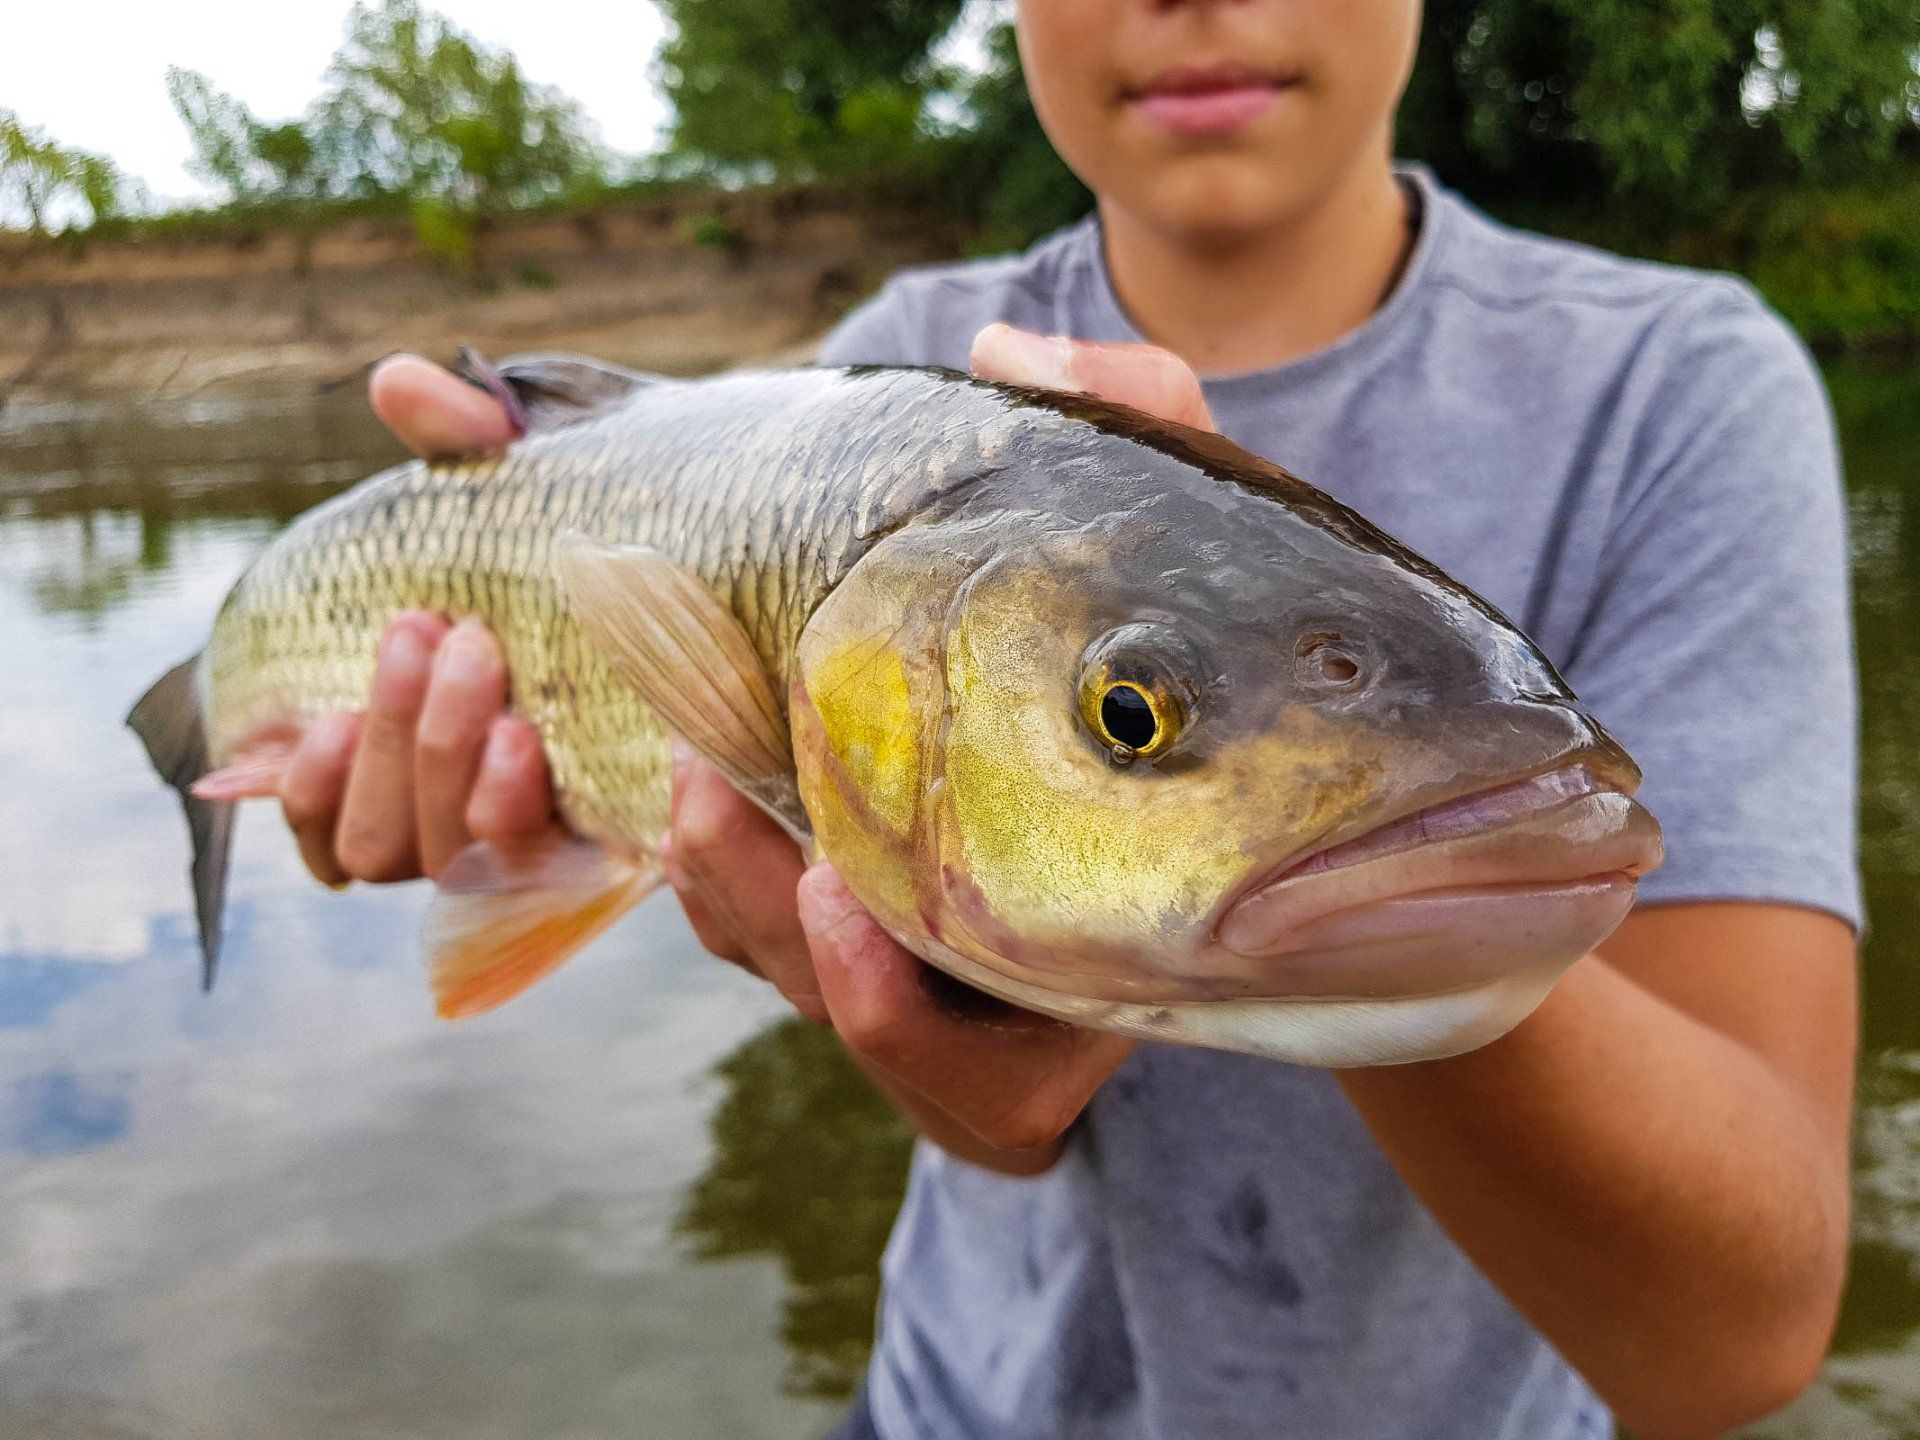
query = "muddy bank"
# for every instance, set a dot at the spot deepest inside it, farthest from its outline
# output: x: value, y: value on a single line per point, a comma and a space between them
x: 678, y: 286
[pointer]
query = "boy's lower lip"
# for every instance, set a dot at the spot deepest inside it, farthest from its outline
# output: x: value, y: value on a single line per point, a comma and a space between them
x: 1207, y: 112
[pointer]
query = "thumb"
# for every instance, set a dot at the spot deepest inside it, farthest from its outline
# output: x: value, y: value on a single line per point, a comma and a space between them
x: 1146, y: 377
x: 436, y: 414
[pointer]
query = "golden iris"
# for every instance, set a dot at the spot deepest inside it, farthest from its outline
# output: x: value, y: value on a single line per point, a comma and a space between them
x: 1134, y: 717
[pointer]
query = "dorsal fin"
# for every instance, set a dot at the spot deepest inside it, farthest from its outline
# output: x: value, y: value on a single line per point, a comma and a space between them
x: 550, y: 392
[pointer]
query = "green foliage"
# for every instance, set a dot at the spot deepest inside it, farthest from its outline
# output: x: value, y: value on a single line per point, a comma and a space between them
x: 412, y: 107
x: 412, y: 103
x: 712, y: 232
x: 1001, y: 168
x: 247, y: 157
x: 798, y: 88
x: 38, y: 177
x: 1841, y: 263
x: 445, y: 233
x: 807, y: 1166
x: 1671, y: 105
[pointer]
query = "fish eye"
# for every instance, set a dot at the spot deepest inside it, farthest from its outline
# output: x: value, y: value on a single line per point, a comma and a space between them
x: 1135, y: 697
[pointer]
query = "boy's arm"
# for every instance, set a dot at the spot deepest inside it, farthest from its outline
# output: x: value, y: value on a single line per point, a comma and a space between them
x: 1653, y: 1167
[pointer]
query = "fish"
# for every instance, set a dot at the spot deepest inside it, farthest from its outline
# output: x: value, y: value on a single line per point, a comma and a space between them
x: 1101, y: 715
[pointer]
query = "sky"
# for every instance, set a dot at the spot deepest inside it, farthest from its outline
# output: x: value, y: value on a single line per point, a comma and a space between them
x: 93, y: 75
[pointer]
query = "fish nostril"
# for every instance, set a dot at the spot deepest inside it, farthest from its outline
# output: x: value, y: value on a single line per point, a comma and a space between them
x: 1323, y: 662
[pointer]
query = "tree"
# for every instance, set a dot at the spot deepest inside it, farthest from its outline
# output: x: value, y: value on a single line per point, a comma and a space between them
x: 1003, y: 167
x: 39, y: 177
x: 252, y: 160
x: 414, y: 104
x: 800, y: 87
x: 411, y: 106
x: 1670, y: 104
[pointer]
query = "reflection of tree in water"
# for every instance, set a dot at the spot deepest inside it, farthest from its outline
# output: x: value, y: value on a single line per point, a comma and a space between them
x: 808, y: 1165
x: 91, y: 563
x: 105, y: 492
x: 1876, y: 407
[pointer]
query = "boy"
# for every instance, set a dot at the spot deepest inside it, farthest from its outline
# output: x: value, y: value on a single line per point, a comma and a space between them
x: 1636, y: 1201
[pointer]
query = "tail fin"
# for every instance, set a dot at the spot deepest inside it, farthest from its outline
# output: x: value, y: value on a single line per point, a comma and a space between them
x: 169, y: 723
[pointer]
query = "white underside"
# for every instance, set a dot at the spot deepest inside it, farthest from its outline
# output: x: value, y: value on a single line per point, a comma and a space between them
x: 1336, y: 1033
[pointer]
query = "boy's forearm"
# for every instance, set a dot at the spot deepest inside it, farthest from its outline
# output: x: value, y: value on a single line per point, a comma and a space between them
x: 1652, y: 1195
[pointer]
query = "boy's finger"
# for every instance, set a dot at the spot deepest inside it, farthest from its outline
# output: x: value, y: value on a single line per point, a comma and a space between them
x: 435, y: 413
x: 465, y: 694
x: 315, y: 786
x: 512, y: 798
x: 744, y: 867
x: 377, y: 838
x: 712, y: 935
x: 1143, y: 376
x: 1016, y: 1082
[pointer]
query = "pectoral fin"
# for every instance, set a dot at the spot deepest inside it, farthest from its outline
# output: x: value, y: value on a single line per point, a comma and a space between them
x: 504, y: 919
x: 671, y: 638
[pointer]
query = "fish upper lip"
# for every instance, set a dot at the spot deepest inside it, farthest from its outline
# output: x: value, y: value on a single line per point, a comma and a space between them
x: 1589, y: 772
x: 1210, y: 79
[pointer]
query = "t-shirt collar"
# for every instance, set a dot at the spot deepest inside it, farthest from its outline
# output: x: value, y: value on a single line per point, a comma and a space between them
x: 1100, y: 304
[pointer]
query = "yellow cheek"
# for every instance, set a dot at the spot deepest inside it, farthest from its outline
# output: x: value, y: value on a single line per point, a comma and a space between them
x: 1079, y: 856
x: 871, y: 727
x: 858, y: 747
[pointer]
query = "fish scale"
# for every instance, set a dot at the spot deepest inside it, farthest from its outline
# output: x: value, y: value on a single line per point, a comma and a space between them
x: 737, y: 479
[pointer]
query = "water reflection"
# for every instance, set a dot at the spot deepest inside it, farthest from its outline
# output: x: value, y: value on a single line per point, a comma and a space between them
x: 301, y: 1206
x: 1871, y: 1385
x: 635, y: 1201
x: 807, y: 1166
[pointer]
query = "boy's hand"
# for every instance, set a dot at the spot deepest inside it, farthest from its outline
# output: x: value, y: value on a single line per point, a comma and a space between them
x: 435, y: 763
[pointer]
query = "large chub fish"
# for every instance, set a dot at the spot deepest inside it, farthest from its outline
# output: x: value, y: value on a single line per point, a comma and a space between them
x: 1103, y: 716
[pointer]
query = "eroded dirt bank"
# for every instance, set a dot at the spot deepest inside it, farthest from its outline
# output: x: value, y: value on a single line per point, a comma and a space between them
x: 678, y: 286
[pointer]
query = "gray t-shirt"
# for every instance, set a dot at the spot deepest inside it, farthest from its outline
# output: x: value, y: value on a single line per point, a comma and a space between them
x: 1637, y: 464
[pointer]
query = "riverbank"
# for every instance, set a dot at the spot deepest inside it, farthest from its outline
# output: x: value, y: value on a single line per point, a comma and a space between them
x: 689, y: 281
x: 679, y: 285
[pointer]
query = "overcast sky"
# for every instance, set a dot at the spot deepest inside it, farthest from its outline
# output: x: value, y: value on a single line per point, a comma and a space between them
x: 93, y: 74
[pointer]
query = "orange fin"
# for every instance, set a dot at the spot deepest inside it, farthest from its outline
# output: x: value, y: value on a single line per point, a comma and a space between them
x: 504, y: 919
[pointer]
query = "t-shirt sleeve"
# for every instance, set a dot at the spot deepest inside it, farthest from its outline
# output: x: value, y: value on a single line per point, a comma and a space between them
x: 1719, y: 646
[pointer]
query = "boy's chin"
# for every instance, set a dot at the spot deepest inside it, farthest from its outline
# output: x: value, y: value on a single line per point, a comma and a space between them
x: 1211, y: 201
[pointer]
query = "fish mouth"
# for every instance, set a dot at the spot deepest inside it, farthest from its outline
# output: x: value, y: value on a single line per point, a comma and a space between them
x: 1528, y: 873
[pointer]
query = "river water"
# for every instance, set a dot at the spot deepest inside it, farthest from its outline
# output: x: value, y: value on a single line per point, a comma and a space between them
x: 638, y: 1201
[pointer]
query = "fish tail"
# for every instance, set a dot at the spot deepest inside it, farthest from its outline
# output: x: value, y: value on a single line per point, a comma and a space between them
x: 169, y: 721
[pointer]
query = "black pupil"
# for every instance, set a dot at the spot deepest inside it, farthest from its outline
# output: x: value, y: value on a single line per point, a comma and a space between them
x: 1128, y: 717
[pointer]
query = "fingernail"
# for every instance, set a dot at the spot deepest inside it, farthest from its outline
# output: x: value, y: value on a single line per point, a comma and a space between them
x: 403, y: 651
x: 467, y: 657
x: 1035, y: 359
x: 677, y: 878
x: 683, y: 754
x: 825, y: 901
x: 502, y: 753
x: 333, y: 734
